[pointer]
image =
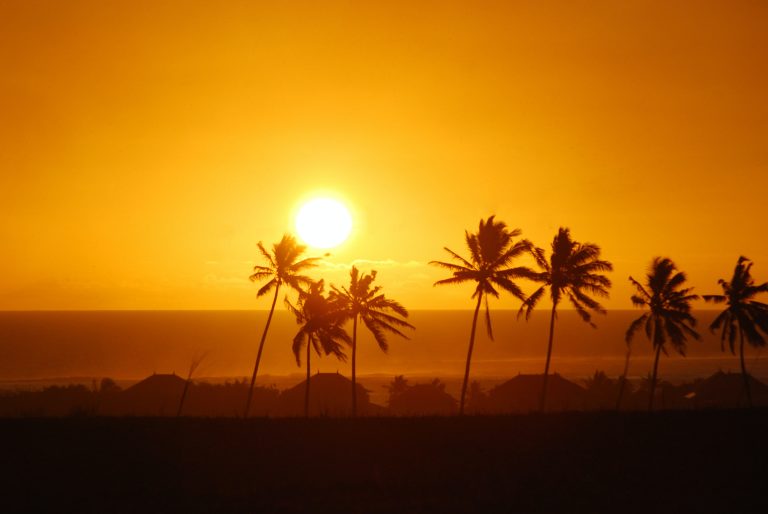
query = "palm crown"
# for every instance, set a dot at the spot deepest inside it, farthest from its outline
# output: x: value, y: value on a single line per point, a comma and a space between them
x: 320, y: 324
x: 491, y: 250
x: 669, y: 306
x: 574, y: 270
x: 283, y: 265
x: 377, y: 312
x: 743, y: 313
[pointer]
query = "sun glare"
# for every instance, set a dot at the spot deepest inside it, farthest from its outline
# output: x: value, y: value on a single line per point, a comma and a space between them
x: 323, y: 223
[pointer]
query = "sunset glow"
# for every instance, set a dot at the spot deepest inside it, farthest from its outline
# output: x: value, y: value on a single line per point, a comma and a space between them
x: 400, y: 256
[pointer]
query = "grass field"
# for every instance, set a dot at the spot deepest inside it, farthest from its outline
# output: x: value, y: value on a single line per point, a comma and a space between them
x: 706, y: 461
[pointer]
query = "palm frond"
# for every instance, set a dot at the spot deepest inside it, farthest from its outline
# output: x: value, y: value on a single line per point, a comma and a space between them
x: 260, y: 275
x: 385, y: 318
x: 266, y: 288
x: 266, y: 254
x: 634, y: 327
x: 310, y: 262
x: 378, y: 333
x: 459, y: 258
x: 640, y: 289
x: 298, y: 344
x: 508, y: 286
x: 452, y: 280
x: 530, y: 303
x: 451, y: 267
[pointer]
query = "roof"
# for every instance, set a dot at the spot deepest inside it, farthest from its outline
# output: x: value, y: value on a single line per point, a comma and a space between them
x: 330, y: 395
x: 524, y: 391
x: 158, y: 383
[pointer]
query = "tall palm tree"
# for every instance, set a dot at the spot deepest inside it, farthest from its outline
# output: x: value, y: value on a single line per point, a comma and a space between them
x: 573, y: 271
x: 744, y: 316
x: 283, y: 267
x: 320, y: 329
x: 491, y: 250
x: 669, y: 312
x: 365, y: 302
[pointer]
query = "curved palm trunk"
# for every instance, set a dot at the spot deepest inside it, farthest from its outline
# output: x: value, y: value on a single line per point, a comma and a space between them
x: 653, y: 378
x: 354, y: 367
x: 543, y: 401
x: 623, y: 380
x: 469, y: 354
x: 306, y: 389
x: 744, y: 373
x: 183, y: 395
x: 258, y: 355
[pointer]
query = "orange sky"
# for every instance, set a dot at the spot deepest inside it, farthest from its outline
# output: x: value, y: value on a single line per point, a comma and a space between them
x: 146, y: 149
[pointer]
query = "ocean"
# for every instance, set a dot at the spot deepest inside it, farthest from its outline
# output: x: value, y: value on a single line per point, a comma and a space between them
x: 77, y: 346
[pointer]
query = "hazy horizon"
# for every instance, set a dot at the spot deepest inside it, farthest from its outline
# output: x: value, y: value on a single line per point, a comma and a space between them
x: 134, y: 344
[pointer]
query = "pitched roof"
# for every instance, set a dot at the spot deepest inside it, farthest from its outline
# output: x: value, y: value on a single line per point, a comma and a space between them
x: 523, y: 392
x: 329, y: 395
x: 158, y: 383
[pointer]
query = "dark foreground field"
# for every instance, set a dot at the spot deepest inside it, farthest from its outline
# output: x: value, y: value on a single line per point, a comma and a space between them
x: 667, y: 462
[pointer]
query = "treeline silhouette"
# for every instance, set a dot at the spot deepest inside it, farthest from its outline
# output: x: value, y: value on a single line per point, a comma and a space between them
x: 165, y: 395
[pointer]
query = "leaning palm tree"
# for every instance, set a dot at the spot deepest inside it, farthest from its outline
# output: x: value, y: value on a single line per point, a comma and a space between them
x: 196, y: 361
x: 491, y: 250
x: 669, y: 312
x: 573, y: 271
x: 744, y: 316
x: 365, y: 302
x: 320, y: 329
x: 283, y: 267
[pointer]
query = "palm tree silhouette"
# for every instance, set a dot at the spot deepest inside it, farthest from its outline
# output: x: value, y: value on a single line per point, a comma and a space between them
x: 743, y: 315
x: 320, y: 329
x: 669, y: 312
x: 491, y: 250
x: 573, y: 271
x: 365, y: 302
x: 283, y: 267
x: 196, y: 361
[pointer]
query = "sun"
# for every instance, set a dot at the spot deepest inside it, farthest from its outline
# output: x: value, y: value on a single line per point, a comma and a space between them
x: 323, y: 223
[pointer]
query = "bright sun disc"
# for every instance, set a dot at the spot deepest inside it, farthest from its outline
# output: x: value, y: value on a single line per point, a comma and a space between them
x: 323, y: 223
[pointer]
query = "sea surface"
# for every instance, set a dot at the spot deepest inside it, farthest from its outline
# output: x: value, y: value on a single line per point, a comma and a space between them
x: 39, y: 348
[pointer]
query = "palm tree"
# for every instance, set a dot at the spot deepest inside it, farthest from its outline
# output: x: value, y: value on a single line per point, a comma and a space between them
x: 283, y: 267
x: 398, y: 386
x: 365, y: 302
x: 491, y: 250
x: 574, y: 271
x: 196, y: 361
x: 669, y: 312
x: 320, y: 329
x: 743, y: 315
